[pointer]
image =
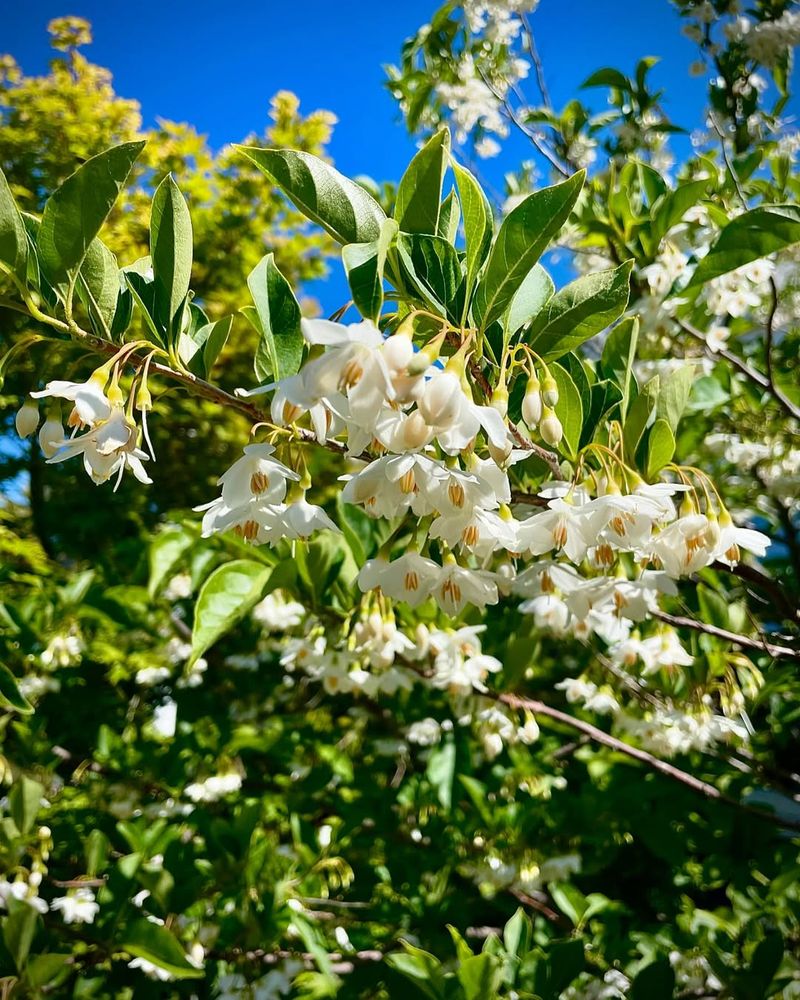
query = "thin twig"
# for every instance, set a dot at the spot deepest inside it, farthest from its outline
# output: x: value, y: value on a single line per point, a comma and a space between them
x: 745, y: 642
x: 663, y: 767
x: 774, y: 388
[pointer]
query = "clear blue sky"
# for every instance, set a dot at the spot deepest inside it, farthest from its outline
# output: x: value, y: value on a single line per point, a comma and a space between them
x: 216, y: 65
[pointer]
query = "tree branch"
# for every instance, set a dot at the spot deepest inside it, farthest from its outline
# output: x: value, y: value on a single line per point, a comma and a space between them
x: 746, y: 642
x: 663, y: 767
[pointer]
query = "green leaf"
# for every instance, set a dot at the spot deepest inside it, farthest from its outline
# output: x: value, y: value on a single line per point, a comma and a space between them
x: 364, y: 264
x: 655, y: 981
x: 524, y: 235
x: 75, y: 212
x: 579, y: 311
x: 569, y: 410
x: 156, y: 944
x: 19, y: 928
x: 422, y: 968
x: 199, y: 349
x: 280, y: 348
x: 225, y: 598
x: 517, y: 933
x: 569, y: 899
x: 607, y: 77
x: 44, y: 969
x: 10, y: 694
x: 748, y: 237
x: 478, y: 224
x: 639, y: 416
x: 13, y: 238
x: 441, y: 772
x: 170, y: 251
x: 480, y: 977
x: 673, y: 395
x: 660, y: 447
x: 419, y: 192
x: 449, y: 218
x: 25, y: 801
x: 165, y: 551
x: 619, y: 352
x: 670, y: 208
x: 99, y: 286
x: 432, y: 266
x: 339, y: 205
x: 535, y: 291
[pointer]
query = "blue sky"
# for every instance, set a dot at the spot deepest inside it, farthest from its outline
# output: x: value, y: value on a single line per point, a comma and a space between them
x: 188, y: 62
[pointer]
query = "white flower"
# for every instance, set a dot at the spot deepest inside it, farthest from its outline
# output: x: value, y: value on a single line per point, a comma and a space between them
x: 410, y: 578
x: 91, y: 404
x: 77, y: 907
x: 165, y: 717
x: 460, y: 674
x: 548, y: 612
x: 277, y: 613
x: 717, y: 338
x: 148, y: 676
x: 424, y: 733
x: 25, y: 892
x: 458, y: 586
x: 151, y: 970
x: 214, y: 788
x: 108, y: 448
x: 562, y: 527
x: 733, y: 539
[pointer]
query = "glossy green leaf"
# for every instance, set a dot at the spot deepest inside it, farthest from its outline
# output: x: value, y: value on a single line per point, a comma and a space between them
x: 523, y: 237
x: 431, y: 264
x: 419, y: 192
x: 154, y: 943
x: 478, y: 224
x: 619, y: 352
x: 517, y: 933
x: 535, y: 291
x: 170, y: 251
x: 225, y: 598
x: 673, y: 395
x: 13, y: 238
x: 660, y: 447
x: 480, y: 977
x: 579, y: 311
x: 569, y: 410
x: 166, y: 550
x: 422, y: 968
x: 639, y: 414
x: 748, y: 237
x: 364, y: 265
x: 19, y: 929
x: 25, y: 801
x: 322, y: 194
x: 449, y: 218
x: 99, y: 286
x: 74, y: 214
x: 607, y: 77
x: 280, y: 347
x: 673, y: 205
x: 441, y: 772
x: 200, y: 348
x: 10, y: 694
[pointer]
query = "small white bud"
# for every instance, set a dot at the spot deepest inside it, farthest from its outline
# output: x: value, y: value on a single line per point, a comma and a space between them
x: 550, y: 392
x: 550, y: 428
x: 27, y: 419
x: 532, y: 405
x: 50, y: 433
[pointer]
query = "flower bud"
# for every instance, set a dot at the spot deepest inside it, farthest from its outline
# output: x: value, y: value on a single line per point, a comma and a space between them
x: 398, y: 352
x: 549, y: 391
x: 415, y: 432
x: 27, y: 419
x: 532, y: 403
x: 500, y: 400
x: 50, y: 434
x: 550, y: 428
x: 423, y: 359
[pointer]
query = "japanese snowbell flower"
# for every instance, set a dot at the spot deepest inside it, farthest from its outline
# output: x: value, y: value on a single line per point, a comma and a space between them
x: 732, y: 539
x: 562, y: 527
x: 458, y: 586
x: 91, y: 404
x: 108, y: 448
x: 77, y: 907
x: 410, y: 578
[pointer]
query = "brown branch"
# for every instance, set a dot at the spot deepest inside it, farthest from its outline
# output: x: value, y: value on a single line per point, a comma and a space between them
x: 663, y: 767
x: 754, y: 576
x: 776, y: 391
x: 762, y: 381
x: 745, y: 642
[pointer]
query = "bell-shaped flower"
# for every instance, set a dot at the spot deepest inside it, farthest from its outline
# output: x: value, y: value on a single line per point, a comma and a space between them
x: 410, y: 578
x: 562, y: 527
x: 480, y: 531
x: 458, y: 586
x: 353, y: 364
x: 733, y: 539
x: 108, y: 448
x: 255, y: 475
x: 685, y: 546
x: 91, y: 404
